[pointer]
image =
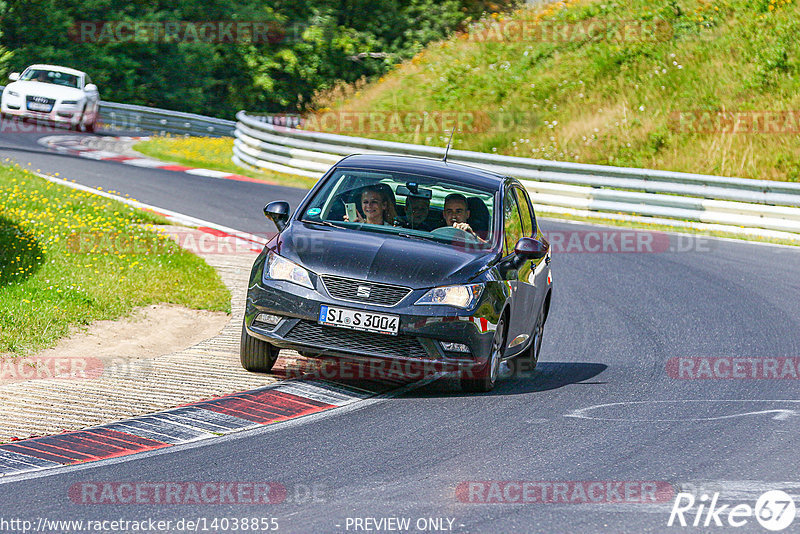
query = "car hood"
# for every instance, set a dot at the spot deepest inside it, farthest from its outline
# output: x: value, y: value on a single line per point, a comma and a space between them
x: 379, y: 257
x: 47, y: 90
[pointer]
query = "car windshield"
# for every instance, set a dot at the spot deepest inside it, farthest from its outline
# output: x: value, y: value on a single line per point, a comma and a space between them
x: 50, y: 76
x: 403, y: 204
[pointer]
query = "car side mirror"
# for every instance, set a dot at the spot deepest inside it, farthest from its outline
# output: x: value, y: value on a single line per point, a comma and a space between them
x: 278, y: 212
x: 528, y: 248
x: 90, y: 88
x: 14, y: 76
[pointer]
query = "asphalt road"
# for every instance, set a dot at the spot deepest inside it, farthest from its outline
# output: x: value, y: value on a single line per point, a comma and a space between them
x: 206, y: 198
x: 602, y: 405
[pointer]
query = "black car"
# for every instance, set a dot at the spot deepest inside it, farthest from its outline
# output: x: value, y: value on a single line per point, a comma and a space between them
x: 403, y: 259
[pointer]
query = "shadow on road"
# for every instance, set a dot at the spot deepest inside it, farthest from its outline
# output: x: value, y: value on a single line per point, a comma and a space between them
x: 547, y: 376
x: 550, y: 375
x: 377, y: 379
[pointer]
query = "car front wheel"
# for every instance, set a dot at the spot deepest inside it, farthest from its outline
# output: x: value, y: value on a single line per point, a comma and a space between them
x: 256, y: 355
x: 485, y: 378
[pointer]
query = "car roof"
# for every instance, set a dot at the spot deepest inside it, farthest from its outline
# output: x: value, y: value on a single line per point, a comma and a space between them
x: 65, y: 70
x: 434, y: 168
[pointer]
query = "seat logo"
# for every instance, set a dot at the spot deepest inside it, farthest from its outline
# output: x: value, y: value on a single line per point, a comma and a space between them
x: 363, y: 291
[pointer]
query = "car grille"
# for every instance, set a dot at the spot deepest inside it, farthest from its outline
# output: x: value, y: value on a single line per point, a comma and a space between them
x: 40, y: 103
x: 40, y: 100
x: 379, y: 294
x: 353, y: 341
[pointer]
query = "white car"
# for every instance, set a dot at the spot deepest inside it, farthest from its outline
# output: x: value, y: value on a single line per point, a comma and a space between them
x: 54, y: 94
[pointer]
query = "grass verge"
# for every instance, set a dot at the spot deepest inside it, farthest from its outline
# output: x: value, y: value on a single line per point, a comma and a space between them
x: 706, y: 86
x: 68, y: 258
x: 211, y: 153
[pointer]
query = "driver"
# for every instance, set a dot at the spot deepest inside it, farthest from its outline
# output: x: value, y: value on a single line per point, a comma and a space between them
x: 456, y: 212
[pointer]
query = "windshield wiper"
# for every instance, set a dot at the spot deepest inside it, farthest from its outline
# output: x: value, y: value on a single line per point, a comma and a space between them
x: 422, y: 237
x: 326, y: 223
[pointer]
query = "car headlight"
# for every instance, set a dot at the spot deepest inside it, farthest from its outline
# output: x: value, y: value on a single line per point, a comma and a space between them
x: 70, y: 102
x: 279, y: 268
x: 13, y: 93
x: 459, y: 296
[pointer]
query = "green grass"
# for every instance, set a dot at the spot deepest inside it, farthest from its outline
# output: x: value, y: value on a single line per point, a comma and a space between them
x: 211, y: 153
x: 607, y: 100
x: 68, y: 258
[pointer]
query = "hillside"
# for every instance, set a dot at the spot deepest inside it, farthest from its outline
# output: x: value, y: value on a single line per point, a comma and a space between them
x: 685, y: 85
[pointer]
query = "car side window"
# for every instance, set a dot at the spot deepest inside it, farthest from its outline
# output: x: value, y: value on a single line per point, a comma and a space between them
x: 524, y: 212
x: 511, y: 221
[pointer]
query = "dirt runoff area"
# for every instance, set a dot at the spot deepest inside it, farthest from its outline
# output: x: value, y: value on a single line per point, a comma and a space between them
x: 148, y: 332
x: 159, y: 357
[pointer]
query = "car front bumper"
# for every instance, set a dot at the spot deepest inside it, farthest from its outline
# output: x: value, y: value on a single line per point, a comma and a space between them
x: 420, y: 333
x: 59, y: 115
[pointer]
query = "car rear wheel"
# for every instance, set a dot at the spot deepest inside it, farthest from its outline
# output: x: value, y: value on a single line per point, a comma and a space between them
x: 256, y: 355
x: 485, y: 378
x: 525, y: 363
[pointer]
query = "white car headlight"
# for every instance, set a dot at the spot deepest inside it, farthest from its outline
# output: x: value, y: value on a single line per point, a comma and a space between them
x: 459, y: 296
x: 279, y: 268
x: 13, y: 93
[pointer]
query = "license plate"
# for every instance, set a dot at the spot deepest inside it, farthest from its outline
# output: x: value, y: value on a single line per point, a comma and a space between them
x: 38, y: 106
x: 365, y: 321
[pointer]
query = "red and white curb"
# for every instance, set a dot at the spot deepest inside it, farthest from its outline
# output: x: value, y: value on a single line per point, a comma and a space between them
x: 74, y: 145
x: 185, y: 424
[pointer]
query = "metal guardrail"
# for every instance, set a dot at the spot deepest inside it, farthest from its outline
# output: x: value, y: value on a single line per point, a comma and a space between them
x: 756, y: 207
x: 739, y: 205
x: 128, y: 117
x: 115, y: 116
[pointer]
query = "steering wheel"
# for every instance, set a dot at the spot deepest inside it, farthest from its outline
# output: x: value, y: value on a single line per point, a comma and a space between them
x: 451, y: 232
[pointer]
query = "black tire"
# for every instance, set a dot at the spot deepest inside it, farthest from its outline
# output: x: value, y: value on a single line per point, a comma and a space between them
x: 90, y: 128
x: 485, y: 378
x: 256, y: 355
x: 525, y: 363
